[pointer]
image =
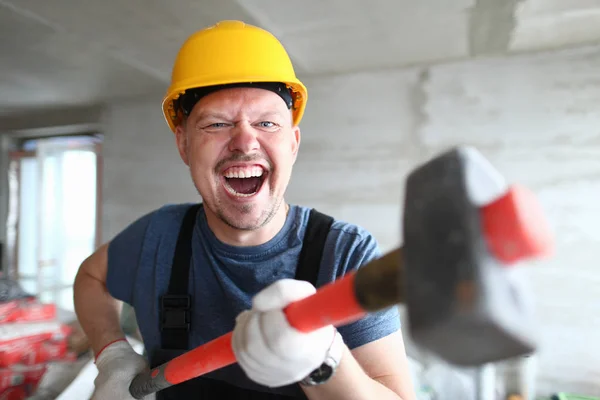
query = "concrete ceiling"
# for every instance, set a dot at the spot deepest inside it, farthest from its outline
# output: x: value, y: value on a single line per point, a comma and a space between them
x: 64, y: 53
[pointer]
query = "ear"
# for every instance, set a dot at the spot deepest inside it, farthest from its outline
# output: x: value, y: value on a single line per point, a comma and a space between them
x: 295, y: 141
x: 181, y: 139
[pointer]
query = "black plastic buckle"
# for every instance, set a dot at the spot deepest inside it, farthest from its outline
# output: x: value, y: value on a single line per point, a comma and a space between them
x: 175, y: 311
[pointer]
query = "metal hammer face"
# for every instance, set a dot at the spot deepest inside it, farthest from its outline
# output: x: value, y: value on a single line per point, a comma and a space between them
x: 458, y: 243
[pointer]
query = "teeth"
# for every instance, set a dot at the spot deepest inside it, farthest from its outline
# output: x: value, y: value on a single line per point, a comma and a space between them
x: 244, y: 172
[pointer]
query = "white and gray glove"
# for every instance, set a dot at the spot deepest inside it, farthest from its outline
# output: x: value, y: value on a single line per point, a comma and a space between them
x: 268, y: 349
x: 118, y: 364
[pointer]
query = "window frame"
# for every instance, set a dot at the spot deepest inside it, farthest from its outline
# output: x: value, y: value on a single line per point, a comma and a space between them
x: 15, y: 157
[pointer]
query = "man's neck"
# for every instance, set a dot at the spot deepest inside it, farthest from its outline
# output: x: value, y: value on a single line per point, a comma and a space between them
x: 237, y: 237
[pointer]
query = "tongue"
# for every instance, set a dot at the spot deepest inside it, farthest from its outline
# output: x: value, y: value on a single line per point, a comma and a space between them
x: 244, y: 185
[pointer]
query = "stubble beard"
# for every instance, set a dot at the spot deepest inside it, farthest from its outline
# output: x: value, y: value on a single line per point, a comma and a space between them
x: 265, y: 217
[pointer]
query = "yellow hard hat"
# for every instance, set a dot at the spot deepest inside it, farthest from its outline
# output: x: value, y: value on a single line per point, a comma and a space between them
x: 231, y: 52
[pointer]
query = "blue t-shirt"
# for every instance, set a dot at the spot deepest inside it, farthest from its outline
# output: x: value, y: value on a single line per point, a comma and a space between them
x: 224, y: 278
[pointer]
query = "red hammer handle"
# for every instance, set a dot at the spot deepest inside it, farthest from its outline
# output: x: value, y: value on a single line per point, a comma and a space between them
x: 333, y: 304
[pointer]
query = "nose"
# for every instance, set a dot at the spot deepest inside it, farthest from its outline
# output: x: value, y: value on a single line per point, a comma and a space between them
x: 244, y: 139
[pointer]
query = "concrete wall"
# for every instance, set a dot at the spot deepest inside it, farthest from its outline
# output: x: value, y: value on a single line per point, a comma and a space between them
x: 142, y: 168
x: 535, y: 117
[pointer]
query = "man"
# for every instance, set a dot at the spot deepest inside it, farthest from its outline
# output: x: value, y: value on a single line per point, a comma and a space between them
x: 194, y: 272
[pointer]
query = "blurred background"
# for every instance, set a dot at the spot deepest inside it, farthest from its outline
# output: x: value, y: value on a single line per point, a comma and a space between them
x: 391, y: 83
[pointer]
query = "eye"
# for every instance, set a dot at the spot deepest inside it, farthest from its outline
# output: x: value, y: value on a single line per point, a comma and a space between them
x: 212, y: 126
x: 266, y: 124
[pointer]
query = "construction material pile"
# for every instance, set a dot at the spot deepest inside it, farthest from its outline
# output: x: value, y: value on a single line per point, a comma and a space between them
x: 31, y: 337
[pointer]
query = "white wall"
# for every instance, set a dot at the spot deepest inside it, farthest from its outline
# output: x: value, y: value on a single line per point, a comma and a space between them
x: 535, y: 117
x: 142, y: 169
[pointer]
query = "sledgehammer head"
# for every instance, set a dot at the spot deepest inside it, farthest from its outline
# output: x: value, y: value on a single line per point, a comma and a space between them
x: 463, y: 226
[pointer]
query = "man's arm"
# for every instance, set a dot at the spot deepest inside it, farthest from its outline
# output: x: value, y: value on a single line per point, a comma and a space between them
x: 376, y: 370
x: 113, y: 265
x: 377, y: 367
x: 97, y: 311
x: 98, y: 314
x: 273, y: 353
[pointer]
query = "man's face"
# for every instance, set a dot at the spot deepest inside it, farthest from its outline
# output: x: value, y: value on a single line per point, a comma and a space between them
x: 240, y: 146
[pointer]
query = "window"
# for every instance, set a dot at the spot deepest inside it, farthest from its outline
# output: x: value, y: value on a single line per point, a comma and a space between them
x: 54, y: 207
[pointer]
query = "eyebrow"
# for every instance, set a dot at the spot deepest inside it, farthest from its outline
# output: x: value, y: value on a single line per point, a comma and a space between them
x: 211, y: 114
x: 270, y: 114
x: 202, y: 115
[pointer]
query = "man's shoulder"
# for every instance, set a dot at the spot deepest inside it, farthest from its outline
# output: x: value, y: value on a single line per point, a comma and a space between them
x: 348, y: 245
x: 353, y: 243
x: 157, y: 222
x: 173, y: 210
x: 339, y: 226
x: 169, y: 215
x: 349, y: 231
x: 138, y: 243
x: 341, y: 230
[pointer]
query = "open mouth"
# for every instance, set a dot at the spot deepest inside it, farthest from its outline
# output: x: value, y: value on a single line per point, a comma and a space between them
x: 244, y: 181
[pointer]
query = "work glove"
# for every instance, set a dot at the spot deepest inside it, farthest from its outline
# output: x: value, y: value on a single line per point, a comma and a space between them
x: 117, y: 364
x: 268, y: 349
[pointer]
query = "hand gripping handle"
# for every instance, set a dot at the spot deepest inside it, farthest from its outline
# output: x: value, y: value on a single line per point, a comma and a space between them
x: 375, y: 286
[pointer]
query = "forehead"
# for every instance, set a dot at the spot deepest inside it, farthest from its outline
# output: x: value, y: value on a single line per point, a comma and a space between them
x: 240, y: 100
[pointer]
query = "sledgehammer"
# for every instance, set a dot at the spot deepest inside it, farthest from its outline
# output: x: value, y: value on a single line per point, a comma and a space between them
x: 463, y: 227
